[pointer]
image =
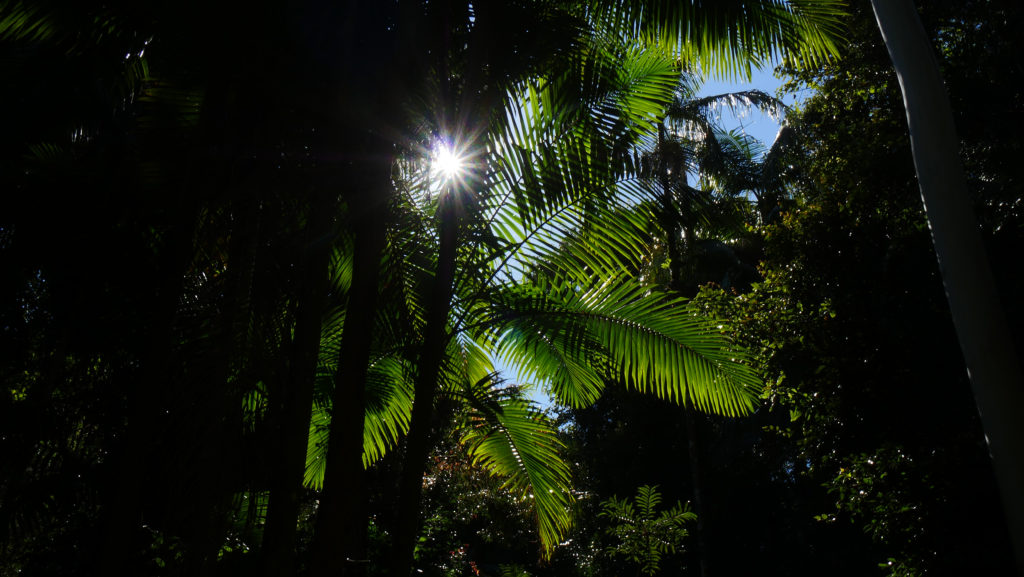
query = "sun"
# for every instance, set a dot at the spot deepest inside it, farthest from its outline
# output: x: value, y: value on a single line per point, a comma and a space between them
x: 446, y: 162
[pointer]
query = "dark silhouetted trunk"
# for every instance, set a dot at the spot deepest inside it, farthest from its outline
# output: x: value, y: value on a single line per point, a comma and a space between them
x: 339, y: 546
x: 419, y: 439
x: 358, y: 42
x: 295, y: 408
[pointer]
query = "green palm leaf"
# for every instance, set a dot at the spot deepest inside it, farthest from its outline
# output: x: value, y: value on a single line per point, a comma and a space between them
x: 729, y: 38
x: 22, y: 21
x: 565, y: 162
x: 620, y: 331
x: 388, y: 409
x: 509, y: 437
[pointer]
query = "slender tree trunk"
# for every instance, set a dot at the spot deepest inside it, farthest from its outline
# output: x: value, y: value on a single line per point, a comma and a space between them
x: 985, y: 340
x: 357, y: 41
x: 295, y: 408
x: 339, y: 546
x: 419, y: 439
x: 213, y: 413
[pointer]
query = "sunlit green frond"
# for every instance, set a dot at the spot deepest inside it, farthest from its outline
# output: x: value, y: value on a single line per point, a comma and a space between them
x: 332, y: 324
x: 561, y: 355
x: 565, y: 162
x: 388, y: 409
x: 611, y: 236
x: 729, y: 38
x: 569, y: 138
x: 340, y: 266
x: 509, y: 437
x: 465, y: 363
x: 389, y: 394
x: 316, y: 448
x: 388, y: 400
x: 620, y: 332
x: 406, y: 268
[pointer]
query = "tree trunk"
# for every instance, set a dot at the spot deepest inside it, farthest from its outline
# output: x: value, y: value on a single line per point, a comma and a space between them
x: 985, y: 340
x: 339, y: 545
x: 358, y: 43
x: 419, y: 439
x: 295, y: 409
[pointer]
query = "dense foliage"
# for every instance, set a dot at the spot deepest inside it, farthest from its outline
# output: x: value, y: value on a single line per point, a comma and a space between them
x: 225, y: 252
x: 868, y: 433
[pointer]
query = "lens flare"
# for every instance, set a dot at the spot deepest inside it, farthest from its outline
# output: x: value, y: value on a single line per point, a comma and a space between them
x: 446, y: 162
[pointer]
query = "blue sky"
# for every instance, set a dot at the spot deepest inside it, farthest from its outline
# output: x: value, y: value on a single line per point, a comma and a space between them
x: 760, y: 126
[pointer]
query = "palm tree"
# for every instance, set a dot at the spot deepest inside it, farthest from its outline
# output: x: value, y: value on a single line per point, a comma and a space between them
x: 534, y: 181
x: 992, y: 363
x: 523, y: 295
x: 691, y: 142
x: 795, y: 29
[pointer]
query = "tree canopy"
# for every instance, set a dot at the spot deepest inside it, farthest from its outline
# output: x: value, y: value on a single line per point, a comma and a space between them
x: 250, y: 326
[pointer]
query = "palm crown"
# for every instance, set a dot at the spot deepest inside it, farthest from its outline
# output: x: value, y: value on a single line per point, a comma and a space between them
x: 551, y: 232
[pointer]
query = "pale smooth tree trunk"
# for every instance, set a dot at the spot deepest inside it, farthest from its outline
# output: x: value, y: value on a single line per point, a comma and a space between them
x: 981, y: 327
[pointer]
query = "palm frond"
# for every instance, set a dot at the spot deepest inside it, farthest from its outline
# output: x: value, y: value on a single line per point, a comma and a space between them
x: 466, y: 362
x: 564, y: 164
x: 730, y: 38
x: 389, y: 396
x: 388, y: 410
x: 697, y: 116
x: 509, y: 437
x: 568, y: 138
x: 618, y: 331
x: 316, y: 448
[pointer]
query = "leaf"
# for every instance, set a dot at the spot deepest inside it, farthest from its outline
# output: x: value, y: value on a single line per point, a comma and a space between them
x: 509, y: 437
x: 619, y: 331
